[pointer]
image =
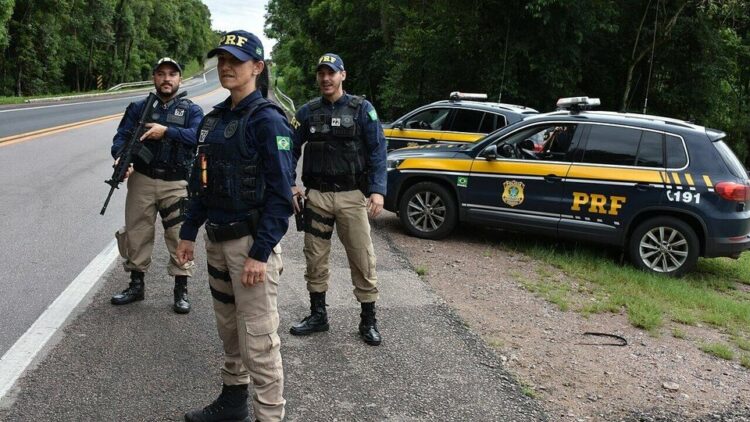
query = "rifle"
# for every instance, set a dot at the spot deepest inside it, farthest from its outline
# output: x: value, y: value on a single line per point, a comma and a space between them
x: 132, y: 148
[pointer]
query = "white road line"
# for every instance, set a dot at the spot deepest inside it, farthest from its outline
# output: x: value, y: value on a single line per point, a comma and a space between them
x: 15, y: 361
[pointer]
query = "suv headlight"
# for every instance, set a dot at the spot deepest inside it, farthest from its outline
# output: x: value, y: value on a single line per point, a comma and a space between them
x: 393, y: 163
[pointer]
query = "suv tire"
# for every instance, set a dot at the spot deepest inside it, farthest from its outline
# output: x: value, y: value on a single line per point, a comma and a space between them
x: 664, y: 245
x: 428, y: 210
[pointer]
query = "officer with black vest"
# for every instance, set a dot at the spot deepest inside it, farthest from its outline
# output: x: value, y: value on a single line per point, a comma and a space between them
x: 343, y: 171
x: 240, y: 188
x: 160, y: 185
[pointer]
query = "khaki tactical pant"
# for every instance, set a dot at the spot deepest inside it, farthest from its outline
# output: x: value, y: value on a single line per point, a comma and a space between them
x: 146, y: 197
x: 247, y: 319
x: 348, y: 211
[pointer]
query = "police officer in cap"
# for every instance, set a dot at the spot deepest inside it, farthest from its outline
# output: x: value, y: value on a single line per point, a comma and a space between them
x: 159, y: 185
x: 343, y: 171
x: 241, y: 188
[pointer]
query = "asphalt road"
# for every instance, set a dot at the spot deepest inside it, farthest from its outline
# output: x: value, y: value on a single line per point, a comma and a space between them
x: 52, y: 189
x: 17, y: 119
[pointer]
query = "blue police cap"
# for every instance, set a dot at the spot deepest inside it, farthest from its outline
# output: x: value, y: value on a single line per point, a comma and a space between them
x: 331, y: 60
x: 241, y: 44
x: 168, y: 60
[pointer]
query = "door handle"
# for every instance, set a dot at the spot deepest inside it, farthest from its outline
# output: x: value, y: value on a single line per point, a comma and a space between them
x: 433, y: 140
x: 642, y: 186
x: 551, y: 178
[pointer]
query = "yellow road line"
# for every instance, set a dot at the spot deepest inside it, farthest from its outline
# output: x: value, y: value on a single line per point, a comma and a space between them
x: 22, y: 137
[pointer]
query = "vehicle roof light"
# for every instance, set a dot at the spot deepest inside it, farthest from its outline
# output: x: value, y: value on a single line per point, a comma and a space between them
x: 576, y: 104
x: 455, y: 95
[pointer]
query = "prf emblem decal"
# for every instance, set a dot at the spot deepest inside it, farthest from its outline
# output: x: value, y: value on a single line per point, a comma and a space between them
x: 335, y: 121
x: 230, y: 129
x: 462, y: 181
x: 513, y: 192
x: 179, y: 112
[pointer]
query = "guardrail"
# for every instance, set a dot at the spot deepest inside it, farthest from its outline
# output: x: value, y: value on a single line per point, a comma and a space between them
x: 129, y: 84
x: 286, y: 103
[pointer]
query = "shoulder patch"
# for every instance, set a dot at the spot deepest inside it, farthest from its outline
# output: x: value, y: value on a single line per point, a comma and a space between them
x: 373, y: 114
x: 283, y: 143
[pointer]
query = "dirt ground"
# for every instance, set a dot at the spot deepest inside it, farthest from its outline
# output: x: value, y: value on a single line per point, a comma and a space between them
x: 652, y: 378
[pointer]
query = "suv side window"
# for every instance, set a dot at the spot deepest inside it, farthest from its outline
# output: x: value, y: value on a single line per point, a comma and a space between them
x: 491, y: 122
x: 676, y: 157
x: 650, y: 150
x: 467, y: 121
x: 430, y: 119
x: 612, y: 145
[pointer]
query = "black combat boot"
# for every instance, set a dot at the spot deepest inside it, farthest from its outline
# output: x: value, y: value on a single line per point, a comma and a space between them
x: 133, y: 293
x: 181, y: 302
x: 318, y: 319
x: 368, y: 325
x: 230, y: 406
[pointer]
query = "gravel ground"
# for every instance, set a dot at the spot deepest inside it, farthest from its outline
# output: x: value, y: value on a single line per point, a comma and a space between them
x: 653, y: 378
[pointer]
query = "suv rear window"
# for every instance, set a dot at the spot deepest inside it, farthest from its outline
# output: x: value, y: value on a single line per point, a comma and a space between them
x: 467, y: 121
x: 731, y: 160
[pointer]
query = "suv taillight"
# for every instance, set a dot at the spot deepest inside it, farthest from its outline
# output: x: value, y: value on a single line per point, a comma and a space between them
x: 733, y: 191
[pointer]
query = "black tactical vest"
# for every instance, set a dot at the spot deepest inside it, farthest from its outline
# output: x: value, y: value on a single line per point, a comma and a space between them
x: 227, y: 173
x: 335, y: 154
x: 172, y: 158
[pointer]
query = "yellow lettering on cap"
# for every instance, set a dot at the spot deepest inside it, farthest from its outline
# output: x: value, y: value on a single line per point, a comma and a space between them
x: 241, y: 41
x: 327, y: 59
x: 231, y: 39
x: 223, y: 39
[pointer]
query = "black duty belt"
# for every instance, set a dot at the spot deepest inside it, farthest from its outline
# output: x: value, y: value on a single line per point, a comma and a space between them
x: 163, y: 174
x: 332, y: 186
x: 231, y: 231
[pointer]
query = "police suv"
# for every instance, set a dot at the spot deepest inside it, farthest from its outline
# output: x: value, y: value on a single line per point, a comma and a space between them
x: 665, y: 190
x: 457, y: 120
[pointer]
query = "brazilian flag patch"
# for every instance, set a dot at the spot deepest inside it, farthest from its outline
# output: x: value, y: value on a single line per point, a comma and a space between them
x: 373, y: 114
x: 284, y: 143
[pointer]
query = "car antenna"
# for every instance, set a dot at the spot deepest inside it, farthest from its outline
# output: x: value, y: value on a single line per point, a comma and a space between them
x: 651, y: 65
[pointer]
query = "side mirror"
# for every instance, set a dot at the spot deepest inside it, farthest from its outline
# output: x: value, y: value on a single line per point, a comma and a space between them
x: 490, y: 152
x: 424, y: 125
x: 398, y: 125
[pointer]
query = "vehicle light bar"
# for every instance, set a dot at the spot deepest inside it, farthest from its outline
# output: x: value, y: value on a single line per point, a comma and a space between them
x: 577, y: 103
x: 455, y: 95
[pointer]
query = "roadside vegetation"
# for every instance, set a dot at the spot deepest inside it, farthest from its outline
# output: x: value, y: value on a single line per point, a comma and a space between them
x: 590, y: 280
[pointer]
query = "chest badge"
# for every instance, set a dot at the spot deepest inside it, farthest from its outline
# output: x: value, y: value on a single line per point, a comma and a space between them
x: 348, y: 121
x: 179, y: 112
x: 513, y: 192
x: 203, y: 135
x: 231, y: 129
x: 336, y: 121
x: 312, y: 129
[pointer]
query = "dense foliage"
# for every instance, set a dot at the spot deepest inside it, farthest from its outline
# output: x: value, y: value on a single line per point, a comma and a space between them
x: 407, y: 53
x: 51, y: 46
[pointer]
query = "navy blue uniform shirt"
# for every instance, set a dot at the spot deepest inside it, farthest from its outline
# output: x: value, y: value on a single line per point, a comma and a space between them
x: 369, y: 127
x: 260, y: 134
x: 186, y: 135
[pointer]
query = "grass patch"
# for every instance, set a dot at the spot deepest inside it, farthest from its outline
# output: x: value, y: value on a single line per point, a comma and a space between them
x: 528, y: 391
x: 421, y: 271
x: 496, y: 343
x: 719, y: 350
x: 552, y: 291
x: 710, y: 295
x: 745, y: 361
x: 742, y: 343
x: 678, y: 333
